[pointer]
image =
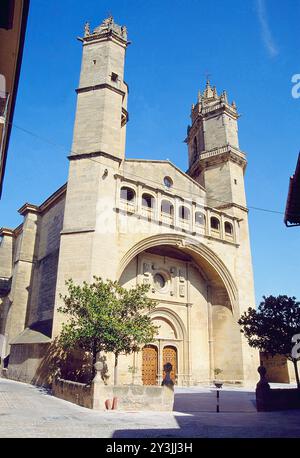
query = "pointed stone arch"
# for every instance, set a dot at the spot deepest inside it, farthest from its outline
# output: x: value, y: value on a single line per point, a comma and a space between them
x: 214, y: 268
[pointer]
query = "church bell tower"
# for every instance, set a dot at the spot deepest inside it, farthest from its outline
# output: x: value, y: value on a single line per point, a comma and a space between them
x: 215, y: 159
x: 101, y: 115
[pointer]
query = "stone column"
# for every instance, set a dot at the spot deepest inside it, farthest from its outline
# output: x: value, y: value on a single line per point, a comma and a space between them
x: 189, y: 353
x: 193, y: 223
x: 210, y: 334
x: 139, y: 199
x: 207, y: 226
x: 236, y: 231
x: 222, y: 233
x: 160, y: 362
x: 188, y: 321
x: 176, y: 213
x: 6, y: 263
x: 157, y: 214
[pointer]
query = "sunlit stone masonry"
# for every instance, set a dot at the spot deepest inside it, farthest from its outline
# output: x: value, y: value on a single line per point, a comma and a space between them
x: 137, y: 221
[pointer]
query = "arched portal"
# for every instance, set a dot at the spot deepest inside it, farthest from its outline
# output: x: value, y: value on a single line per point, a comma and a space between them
x: 214, y: 268
x: 196, y: 308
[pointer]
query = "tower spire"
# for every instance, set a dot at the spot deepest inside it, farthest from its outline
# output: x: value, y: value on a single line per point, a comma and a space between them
x: 209, y: 91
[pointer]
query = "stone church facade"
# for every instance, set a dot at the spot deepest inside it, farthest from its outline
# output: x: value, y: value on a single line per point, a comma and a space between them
x: 137, y: 221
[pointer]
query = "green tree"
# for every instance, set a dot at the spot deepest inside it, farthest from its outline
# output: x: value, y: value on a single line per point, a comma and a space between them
x: 105, y: 317
x: 272, y: 326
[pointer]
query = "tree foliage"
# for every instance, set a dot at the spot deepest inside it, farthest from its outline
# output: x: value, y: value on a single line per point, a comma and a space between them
x: 105, y: 317
x: 271, y: 327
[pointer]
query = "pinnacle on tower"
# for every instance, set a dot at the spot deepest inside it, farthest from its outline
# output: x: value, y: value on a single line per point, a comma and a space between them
x: 208, y: 92
x: 108, y: 26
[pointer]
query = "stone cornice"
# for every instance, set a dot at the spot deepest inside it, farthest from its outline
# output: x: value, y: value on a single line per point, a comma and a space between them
x: 76, y: 156
x: 53, y: 199
x: 216, y: 156
x: 28, y: 208
x: 5, y: 232
x: 108, y: 36
x: 77, y: 231
x: 18, y: 230
x: 100, y: 86
x: 232, y: 204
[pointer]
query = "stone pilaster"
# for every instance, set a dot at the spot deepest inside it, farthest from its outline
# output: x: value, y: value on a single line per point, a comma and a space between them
x: 22, y: 273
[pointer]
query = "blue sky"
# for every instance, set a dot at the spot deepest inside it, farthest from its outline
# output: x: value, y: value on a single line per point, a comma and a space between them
x: 250, y: 48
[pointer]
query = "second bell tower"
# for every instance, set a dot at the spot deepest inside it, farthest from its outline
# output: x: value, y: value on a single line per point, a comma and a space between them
x: 215, y: 159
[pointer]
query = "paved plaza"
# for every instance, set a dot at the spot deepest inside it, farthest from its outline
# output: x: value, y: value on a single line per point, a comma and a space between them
x: 28, y: 411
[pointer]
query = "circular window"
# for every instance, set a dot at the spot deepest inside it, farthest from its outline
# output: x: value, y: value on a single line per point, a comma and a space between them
x: 168, y: 182
x: 159, y: 282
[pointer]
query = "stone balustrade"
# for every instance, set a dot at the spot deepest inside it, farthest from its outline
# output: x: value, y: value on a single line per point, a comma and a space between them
x: 198, y: 220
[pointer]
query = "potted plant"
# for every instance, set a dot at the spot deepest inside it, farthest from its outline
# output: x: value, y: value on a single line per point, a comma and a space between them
x: 217, y: 382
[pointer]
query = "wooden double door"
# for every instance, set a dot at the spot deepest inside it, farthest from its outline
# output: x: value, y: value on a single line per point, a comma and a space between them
x: 150, y: 364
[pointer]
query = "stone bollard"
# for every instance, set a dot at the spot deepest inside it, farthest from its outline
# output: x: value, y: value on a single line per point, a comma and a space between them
x: 98, y: 366
x: 263, y: 391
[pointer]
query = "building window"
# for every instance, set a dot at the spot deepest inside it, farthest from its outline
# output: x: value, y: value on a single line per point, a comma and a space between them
x: 228, y: 228
x: 148, y: 201
x: 114, y: 77
x: 215, y: 223
x: 168, y: 182
x: 159, y: 282
x: 199, y: 219
x: 128, y: 194
x: 167, y: 208
x: 184, y: 212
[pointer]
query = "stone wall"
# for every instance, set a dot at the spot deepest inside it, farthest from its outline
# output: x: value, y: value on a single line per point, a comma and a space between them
x: 25, y: 362
x: 45, y: 272
x: 129, y: 397
x: 78, y: 393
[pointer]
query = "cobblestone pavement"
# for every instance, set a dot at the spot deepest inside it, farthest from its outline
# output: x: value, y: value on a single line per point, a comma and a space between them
x: 28, y: 411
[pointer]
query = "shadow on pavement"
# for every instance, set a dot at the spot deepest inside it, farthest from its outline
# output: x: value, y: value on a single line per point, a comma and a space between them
x: 229, y: 401
x: 195, y: 416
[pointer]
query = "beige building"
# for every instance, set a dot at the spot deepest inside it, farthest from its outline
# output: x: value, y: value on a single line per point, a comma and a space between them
x: 138, y: 221
x: 13, y: 23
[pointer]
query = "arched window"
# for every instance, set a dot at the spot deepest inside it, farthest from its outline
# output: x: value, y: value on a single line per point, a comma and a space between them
x: 128, y: 194
x: 228, y: 228
x: 167, y: 207
x: 199, y: 219
x: 168, y: 182
x: 148, y: 201
x: 184, y: 212
x: 214, y: 223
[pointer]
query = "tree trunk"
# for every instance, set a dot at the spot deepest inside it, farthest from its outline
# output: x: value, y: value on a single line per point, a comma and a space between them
x: 295, y: 361
x: 116, y: 370
x: 94, y: 354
